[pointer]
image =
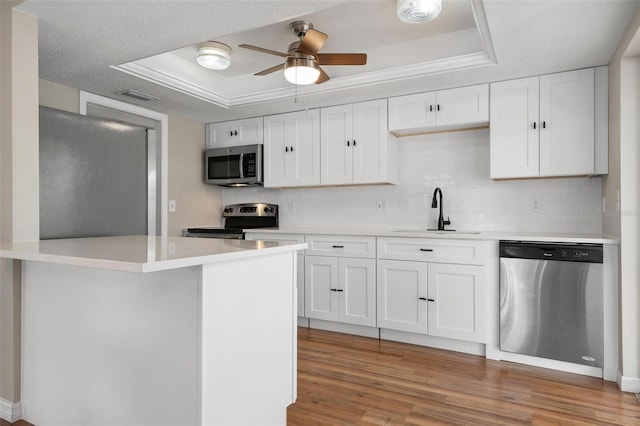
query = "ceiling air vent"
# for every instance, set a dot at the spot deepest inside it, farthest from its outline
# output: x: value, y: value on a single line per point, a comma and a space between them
x: 138, y: 95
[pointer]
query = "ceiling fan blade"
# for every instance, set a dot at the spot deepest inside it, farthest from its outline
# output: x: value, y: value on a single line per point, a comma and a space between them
x: 270, y: 70
x: 263, y: 50
x: 312, y: 41
x: 323, y: 76
x: 342, y: 58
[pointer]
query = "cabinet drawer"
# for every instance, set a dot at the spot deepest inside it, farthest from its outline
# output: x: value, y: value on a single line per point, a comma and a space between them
x: 340, y: 245
x: 432, y: 250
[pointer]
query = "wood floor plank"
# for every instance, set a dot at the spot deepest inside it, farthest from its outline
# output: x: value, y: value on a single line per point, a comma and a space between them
x: 352, y: 380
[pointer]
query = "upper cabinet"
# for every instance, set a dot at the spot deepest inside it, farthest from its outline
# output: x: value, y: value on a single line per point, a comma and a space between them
x: 461, y: 107
x: 234, y: 133
x: 292, y: 149
x: 545, y: 126
x: 356, y: 147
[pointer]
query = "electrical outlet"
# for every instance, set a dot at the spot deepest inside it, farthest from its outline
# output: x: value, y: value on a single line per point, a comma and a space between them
x: 172, y: 206
x: 535, y: 205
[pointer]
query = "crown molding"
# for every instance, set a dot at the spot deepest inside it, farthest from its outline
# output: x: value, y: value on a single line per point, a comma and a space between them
x: 472, y: 60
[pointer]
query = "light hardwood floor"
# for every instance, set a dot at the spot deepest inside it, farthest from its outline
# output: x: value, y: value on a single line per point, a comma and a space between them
x: 350, y: 380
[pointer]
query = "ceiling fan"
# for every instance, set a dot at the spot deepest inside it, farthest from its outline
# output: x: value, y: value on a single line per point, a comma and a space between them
x: 302, y: 61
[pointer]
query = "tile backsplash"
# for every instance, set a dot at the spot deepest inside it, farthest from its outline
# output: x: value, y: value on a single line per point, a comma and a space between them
x: 458, y: 163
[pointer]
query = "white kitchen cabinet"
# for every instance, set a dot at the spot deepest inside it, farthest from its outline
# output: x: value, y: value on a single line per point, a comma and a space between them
x: 292, y: 149
x: 340, y: 279
x: 515, y: 147
x: 543, y: 126
x: 441, y: 110
x: 234, y: 133
x: 340, y: 289
x: 432, y: 286
x: 402, y: 295
x: 298, y: 238
x: 456, y: 296
x: 355, y: 145
x: 567, y: 116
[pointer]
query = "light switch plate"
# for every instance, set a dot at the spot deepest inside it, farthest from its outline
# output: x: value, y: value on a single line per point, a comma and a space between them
x: 172, y: 206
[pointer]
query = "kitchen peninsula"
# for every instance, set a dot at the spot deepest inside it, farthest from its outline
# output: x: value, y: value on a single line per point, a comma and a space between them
x: 157, y: 331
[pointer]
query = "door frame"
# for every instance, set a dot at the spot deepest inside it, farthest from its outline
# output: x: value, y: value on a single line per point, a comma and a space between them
x: 101, y: 101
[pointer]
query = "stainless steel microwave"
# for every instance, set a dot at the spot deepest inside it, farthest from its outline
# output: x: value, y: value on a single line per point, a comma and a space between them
x: 234, y: 166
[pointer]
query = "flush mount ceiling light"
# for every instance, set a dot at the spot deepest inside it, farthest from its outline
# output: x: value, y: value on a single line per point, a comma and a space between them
x: 418, y: 11
x: 214, y: 55
x: 301, y: 70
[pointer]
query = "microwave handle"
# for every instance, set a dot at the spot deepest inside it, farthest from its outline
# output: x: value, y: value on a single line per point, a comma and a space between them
x: 241, y: 166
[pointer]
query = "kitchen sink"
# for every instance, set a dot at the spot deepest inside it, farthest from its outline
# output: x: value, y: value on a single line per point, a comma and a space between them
x: 435, y: 231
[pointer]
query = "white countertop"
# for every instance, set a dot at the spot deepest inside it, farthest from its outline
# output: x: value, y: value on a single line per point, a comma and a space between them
x: 140, y: 253
x: 459, y: 235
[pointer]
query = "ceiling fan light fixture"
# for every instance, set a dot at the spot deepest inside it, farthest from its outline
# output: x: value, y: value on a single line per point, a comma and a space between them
x: 418, y: 11
x: 301, y: 71
x: 214, y: 55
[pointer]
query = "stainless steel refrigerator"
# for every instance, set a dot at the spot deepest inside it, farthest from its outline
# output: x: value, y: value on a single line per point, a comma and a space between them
x: 93, y: 176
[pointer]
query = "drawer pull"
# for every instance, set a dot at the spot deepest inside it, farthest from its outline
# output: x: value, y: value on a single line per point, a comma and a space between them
x: 337, y: 246
x: 426, y: 249
x: 337, y: 289
x: 431, y: 300
x: 422, y: 298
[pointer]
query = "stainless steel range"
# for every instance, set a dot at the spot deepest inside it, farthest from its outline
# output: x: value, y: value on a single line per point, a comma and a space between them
x: 238, y: 217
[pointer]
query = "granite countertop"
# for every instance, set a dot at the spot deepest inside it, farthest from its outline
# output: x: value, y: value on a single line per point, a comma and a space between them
x: 460, y: 235
x: 140, y: 253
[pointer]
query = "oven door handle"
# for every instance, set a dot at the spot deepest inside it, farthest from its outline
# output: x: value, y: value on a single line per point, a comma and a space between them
x: 241, y: 166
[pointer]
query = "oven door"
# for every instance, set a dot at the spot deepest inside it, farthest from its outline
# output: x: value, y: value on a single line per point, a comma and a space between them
x: 234, y: 166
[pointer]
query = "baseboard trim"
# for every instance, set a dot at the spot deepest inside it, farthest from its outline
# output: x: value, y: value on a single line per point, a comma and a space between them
x: 628, y: 384
x: 10, y: 411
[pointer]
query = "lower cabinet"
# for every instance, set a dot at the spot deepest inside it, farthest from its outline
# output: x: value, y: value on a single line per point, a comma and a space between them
x: 443, y: 300
x: 402, y: 295
x: 340, y: 289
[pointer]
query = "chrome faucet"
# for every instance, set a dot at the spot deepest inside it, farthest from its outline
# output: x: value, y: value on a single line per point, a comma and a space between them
x: 434, y: 204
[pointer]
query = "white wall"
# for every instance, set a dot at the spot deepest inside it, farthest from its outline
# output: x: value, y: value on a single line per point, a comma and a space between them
x: 623, y: 178
x: 19, y: 198
x: 458, y: 163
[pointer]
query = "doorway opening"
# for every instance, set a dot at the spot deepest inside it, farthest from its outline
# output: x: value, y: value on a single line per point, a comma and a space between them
x: 157, y: 161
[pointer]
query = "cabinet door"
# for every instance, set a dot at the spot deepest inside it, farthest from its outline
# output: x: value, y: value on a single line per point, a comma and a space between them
x: 336, y: 132
x: 220, y: 135
x: 250, y: 131
x: 567, y: 116
x: 369, y: 142
x: 305, y: 148
x: 514, y: 146
x: 462, y: 107
x: 412, y: 112
x: 402, y: 294
x: 276, y: 150
x: 321, y: 287
x: 234, y: 133
x: 456, y: 302
x: 357, y: 291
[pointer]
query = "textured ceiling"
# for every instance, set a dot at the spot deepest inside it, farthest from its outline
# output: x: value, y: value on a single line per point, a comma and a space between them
x: 81, y: 40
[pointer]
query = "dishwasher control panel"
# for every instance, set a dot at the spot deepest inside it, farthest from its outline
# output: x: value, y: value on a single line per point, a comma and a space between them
x: 578, y: 252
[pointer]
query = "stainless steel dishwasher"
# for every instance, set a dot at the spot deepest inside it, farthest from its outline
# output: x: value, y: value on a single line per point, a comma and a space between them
x: 551, y: 301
